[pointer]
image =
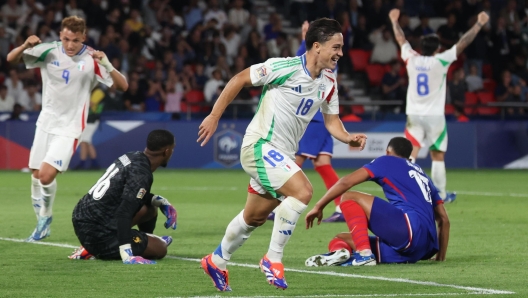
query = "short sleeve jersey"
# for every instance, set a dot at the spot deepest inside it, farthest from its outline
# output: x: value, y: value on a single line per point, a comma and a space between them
x: 407, y: 187
x: 290, y: 99
x: 426, y: 94
x: 124, y: 186
x: 67, y: 84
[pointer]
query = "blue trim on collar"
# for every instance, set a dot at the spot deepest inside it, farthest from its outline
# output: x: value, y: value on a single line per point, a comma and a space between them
x: 303, y: 61
x: 82, y: 50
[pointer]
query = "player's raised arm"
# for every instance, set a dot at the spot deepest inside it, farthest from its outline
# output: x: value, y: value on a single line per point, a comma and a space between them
x: 209, y: 124
x: 16, y: 54
x: 442, y: 221
x: 394, y: 15
x: 118, y: 78
x: 470, y: 35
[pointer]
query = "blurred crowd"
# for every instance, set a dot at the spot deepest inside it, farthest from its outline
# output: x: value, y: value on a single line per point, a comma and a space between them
x: 180, y: 51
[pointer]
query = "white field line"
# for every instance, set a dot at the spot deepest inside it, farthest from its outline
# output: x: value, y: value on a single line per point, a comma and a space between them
x: 472, y: 290
x: 351, y: 295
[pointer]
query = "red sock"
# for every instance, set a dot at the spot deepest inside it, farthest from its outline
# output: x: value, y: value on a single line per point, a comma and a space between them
x: 330, y: 178
x: 337, y: 244
x: 356, y: 220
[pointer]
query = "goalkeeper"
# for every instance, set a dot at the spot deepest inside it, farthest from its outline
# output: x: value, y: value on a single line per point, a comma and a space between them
x: 121, y: 199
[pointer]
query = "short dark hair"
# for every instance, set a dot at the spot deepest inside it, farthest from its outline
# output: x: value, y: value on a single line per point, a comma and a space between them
x: 159, y: 138
x: 401, y: 146
x: 321, y: 30
x: 429, y: 44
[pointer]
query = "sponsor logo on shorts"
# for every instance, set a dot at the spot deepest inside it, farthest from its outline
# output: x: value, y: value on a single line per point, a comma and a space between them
x: 58, y: 162
x: 141, y: 193
x: 227, y: 146
x: 136, y: 239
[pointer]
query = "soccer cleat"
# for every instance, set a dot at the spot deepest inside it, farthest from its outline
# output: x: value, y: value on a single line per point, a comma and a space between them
x: 137, y: 260
x: 42, y: 230
x: 358, y: 260
x: 271, y: 216
x: 336, y: 217
x: 167, y: 239
x: 220, y: 277
x: 81, y: 254
x: 333, y: 258
x: 274, y: 273
x: 450, y: 197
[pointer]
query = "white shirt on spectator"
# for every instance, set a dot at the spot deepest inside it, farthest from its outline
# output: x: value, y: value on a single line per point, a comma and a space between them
x: 474, y: 83
x: 29, y: 103
x: 210, y: 88
x: 231, y: 46
x: 217, y: 14
x: 384, y: 50
x: 7, y: 103
x: 238, y: 17
x: 7, y: 10
x: 15, y: 92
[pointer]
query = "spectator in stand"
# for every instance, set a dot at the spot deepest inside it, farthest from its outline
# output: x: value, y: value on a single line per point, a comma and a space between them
x: 474, y: 80
x: 424, y: 28
x: 133, y: 98
x: 501, y: 48
x: 5, y: 41
x: 211, y: 87
x: 113, y: 99
x: 329, y: 9
x: 231, y: 42
x: 253, y: 46
x: 457, y: 89
x: 192, y: 15
x: 177, y: 87
x: 515, y: 40
x: 153, y: 11
x: 14, y: 85
x: 238, y: 16
x: 477, y: 52
x: 361, y: 35
x: 507, y: 91
x: 510, y: 15
x: 215, y: 12
x: 273, y: 28
x: 184, y: 54
x: 134, y: 21
x: 377, y: 14
x: 393, y: 87
x: 254, y: 24
x: 355, y: 12
x: 456, y: 8
x: 347, y: 115
x: 385, y: 49
x: 11, y: 13
x: 263, y: 54
x: 7, y: 102
x: 448, y: 33
x: 30, y: 100
x: 156, y: 97
x: 199, y: 76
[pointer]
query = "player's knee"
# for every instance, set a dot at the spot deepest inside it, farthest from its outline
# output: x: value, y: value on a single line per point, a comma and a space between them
x: 46, y: 178
x: 349, y: 196
x: 255, y: 220
x: 305, y: 193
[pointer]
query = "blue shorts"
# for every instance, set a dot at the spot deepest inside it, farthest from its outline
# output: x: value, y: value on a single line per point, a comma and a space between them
x: 400, y: 237
x: 316, y: 140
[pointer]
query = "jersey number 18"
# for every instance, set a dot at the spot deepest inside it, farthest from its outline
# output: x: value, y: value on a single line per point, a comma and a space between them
x: 99, y: 189
x: 423, y: 183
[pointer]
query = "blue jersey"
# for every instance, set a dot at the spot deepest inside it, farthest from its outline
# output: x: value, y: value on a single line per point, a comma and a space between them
x: 407, y: 187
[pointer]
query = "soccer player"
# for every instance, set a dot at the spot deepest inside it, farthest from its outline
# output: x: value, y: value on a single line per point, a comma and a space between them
x: 270, y: 143
x: 426, y: 94
x: 70, y: 70
x: 121, y: 199
x: 404, y: 227
x: 317, y: 144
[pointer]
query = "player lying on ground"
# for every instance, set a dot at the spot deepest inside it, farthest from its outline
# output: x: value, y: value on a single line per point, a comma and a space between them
x: 121, y: 199
x: 70, y: 70
x: 270, y: 143
x: 426, y: 95
x: 404, y: 227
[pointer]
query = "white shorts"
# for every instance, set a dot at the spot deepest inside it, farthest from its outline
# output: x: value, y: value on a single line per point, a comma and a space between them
x: 52, y: 149
x: 268, y: 167
x: 427, y: 131
x: 88, y: 132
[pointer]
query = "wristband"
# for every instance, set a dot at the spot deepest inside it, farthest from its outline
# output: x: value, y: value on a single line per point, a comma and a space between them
x: 106, y: 64
x: 125, y: 251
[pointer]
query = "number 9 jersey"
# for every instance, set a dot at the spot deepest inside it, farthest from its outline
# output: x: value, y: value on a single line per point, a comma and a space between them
x: 67, y: 83
x: 290, y: 98
x: 426, y: 94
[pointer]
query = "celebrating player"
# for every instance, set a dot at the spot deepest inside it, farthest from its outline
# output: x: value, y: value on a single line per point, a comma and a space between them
x: 121, y: 199
x: 427, y: 93
x: 70, y: 70
x: 294, y: 90
x: 404, y: 227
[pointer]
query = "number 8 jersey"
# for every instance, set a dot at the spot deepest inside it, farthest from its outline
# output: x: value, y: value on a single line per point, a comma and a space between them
x: 67, y: 83
x: 426, y: 94
x: 290, y: 98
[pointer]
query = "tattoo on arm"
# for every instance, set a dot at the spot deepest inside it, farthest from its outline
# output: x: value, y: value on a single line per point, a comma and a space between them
x: 398, y: 33
x: 467, y: 38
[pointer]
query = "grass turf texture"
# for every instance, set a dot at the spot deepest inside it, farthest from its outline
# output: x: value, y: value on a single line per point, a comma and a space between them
x: 487, y: 246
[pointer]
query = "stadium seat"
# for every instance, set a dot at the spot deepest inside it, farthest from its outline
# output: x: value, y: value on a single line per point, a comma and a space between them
x: 484, y: 98
x: 193, y: 96
x: 490, y: 85
x: 359, y: 58
x: 449, y: 109
x: 358, y: 110
x: 470, y: 99
x: 487, y: 71
x: 375, y: 74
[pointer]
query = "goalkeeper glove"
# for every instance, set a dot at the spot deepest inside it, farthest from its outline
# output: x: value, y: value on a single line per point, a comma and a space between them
x: 167, y: 210
x: 126, y: 255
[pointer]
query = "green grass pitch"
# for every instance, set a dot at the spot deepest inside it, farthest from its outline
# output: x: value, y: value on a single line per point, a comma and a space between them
x: 487, y: 250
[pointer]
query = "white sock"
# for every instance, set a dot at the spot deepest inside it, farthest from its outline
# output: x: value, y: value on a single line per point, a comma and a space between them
x: 36, y: 195
x: 413, y: 160
x: 438, y: 174
x: 338, y: 209
x: 237, y: 232
x: 286, y: 216
x: 48, y: 196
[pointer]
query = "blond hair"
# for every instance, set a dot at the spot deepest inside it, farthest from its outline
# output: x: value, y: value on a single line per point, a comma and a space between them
x: 74, y: 24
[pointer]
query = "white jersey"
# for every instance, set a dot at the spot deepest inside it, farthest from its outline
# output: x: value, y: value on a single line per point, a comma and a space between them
x: 67, y: 83
x: 290, y: 98
x: 426, y: 94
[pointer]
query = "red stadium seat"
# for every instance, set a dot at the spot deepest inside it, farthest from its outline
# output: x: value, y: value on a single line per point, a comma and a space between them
x: 193, y: 96
x: 490, y: 85
x: 358, y: 110
x: 449, y: 109
x: 375, y: 73
x: 359, y: 58
x: 470, y: 99
x: 484, y: 98
x: 487, y: 71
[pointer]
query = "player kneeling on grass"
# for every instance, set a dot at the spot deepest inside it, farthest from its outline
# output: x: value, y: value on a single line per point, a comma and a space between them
x: 121, y: 199
x: 404, y: 227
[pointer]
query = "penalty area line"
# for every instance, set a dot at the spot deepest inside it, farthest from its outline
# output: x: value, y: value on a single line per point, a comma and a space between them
x: 471, y: 290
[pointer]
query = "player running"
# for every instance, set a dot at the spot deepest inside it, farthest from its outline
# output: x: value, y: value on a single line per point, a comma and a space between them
x: 270, y: 143
x: 70, y: 70
x: 121, y: 199
x: 404, y: 227
x: 426, y: 123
